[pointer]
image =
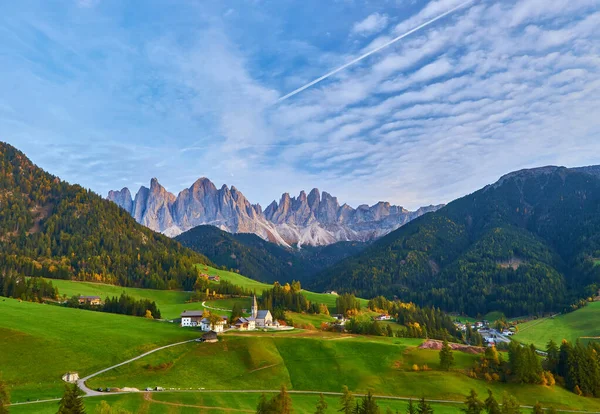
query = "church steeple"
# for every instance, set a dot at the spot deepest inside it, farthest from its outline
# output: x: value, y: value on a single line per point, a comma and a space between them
x: 254, y: 307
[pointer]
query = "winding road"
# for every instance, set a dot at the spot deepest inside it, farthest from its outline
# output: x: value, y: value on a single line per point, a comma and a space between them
x: 92, y: 393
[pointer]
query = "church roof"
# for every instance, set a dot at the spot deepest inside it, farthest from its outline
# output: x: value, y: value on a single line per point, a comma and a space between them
x: 262, y: 314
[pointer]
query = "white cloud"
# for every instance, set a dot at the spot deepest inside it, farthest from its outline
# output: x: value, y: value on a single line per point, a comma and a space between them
x: 372, y: 24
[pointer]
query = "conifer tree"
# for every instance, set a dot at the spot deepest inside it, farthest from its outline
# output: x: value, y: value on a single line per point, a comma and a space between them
x: 283, y: 402
x: 411, y: 407
x: 71, y: 402
x: 369, y: 405
x: 347, y: 401
x: 491, y: 405
x: 473, y: 404
x: 423, y: 407
x: 4, y: 398
x: 321, y: 405
x: 263, y: 406
x: 446, y: 357
x: 510, y: 405
x: 537, y: 409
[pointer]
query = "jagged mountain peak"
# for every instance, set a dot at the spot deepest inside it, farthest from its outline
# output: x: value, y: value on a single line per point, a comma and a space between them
x: 316, y: 218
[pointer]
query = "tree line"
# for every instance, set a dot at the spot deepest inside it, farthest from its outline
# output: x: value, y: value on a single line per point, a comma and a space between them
x: 281, y: 403
x: 33, y: 289
x: 123, y: 305
x: 284, y: 298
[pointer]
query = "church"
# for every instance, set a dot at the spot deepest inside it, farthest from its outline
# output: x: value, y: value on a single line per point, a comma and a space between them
x: 261, y: 318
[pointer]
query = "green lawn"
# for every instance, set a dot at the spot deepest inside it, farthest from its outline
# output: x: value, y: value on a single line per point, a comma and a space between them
x: 39, y: 343
x: 582, y: 323
x: 194, y: 402
x: 322, y: 362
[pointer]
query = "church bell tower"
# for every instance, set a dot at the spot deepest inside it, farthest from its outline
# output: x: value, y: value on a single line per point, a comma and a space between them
x: 254, y: 307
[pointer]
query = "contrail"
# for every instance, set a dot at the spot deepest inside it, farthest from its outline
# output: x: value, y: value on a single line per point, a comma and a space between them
x: 370, y: 52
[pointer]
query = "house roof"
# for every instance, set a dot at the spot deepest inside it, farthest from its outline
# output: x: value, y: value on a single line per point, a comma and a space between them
x: 187, y: 313
x: 210, y: 335
x: 262, y: 314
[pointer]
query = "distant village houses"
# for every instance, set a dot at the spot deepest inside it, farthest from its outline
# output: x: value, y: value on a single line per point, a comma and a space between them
x: 206, y: 326
x: 90, y: 300
x: 383, y: 318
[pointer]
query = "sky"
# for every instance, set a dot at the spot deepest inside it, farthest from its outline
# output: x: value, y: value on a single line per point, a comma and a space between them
x: 110, y: 93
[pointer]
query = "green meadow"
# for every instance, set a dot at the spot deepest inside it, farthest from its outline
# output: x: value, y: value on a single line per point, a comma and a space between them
x: 39, y: 343
x: 581, y: 324
x: 207, y: 402
x: 317, y: 361
x: 170, y: 302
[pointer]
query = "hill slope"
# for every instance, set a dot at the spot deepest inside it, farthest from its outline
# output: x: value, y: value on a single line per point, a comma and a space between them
x: 528, y: 244
x: 53, y: 229
x: 262, y: 260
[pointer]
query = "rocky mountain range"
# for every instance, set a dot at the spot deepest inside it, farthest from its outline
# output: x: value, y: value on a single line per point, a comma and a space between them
x: 315, y: 219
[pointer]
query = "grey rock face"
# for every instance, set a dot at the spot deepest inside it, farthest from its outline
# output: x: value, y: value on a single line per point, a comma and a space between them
x: 316, y: 219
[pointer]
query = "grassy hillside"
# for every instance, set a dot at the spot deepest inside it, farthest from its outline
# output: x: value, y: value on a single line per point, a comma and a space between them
x: 259, y: 287
x: 213, y: 403
x: 581, y: 324
x: 39, y: 343
x: 525, y: 245
x: 262, y: 260
x: 304, y: 361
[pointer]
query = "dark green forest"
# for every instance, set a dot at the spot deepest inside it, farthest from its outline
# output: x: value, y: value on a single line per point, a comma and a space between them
x: 528, y: 244
x: 53, y: 229
x: 264, y: 261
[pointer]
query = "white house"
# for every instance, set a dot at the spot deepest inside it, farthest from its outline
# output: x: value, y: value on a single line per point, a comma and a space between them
x: 191, y: 318
x: 384, y: 318
x: 219, y: 326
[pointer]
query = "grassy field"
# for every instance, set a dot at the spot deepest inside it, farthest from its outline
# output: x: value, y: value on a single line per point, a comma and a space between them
x: 170, y: 302
x: 583, y: 323
x: 39, y: 343
x: 194, y: 402
x: 322, y: 362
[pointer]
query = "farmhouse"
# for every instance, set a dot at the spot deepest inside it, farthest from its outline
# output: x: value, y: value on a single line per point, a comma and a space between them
x: 262, y: 318
x: 90, y: 300
x: 191, y: 318
x: 245, y: 324
x: 206, y: 326
x: 383, y: 318
x: 214, y: 278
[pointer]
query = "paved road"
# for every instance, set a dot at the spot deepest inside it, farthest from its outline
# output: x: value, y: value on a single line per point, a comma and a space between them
x: 210, y: 307
x: 90, y: 393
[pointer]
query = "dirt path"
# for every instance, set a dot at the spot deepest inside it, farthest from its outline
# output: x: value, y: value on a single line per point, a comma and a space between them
x: 148, y: 397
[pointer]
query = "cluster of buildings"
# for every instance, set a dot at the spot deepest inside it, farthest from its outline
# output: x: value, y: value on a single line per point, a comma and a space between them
x: 257, y: 319
x: 90, y: 300
x: 212, y: 278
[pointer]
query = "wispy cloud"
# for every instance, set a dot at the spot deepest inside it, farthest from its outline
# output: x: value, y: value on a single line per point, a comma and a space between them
x: 496, y: 87
x: 374, y: 23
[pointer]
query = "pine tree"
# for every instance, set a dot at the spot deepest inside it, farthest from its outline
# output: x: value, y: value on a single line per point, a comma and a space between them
x: 510, y: 405
x: 552, y: 357
x: 411, y: 407
x: 491, y: 405
x: 537, y: 409
x: 473, y: 404
x: 369, y: 405
x: 4, y: 398
x: 347, y: 401
x: 424, y: 407
x: 283, y: 402
x: 446, y: 357
x: 263, y: 406
x: 321, y: 405
x: 71, y: 402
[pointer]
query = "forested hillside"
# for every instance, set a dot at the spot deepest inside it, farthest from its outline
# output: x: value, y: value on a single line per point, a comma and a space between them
x: 528, y: 244
x: 262, y: 260
x: 53, y: 229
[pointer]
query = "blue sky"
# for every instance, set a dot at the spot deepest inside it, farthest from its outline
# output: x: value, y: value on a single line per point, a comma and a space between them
x: 109, y: 93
